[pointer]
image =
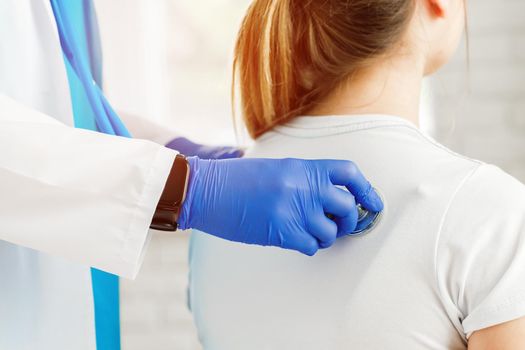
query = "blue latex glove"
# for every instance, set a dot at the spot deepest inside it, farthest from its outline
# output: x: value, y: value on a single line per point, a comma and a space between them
x: 275, y: 202
x: 189, y: 148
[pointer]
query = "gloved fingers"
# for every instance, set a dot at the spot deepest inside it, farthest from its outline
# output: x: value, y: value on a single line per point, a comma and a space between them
x: 323, y: 229
x: 302, y: 242
x: 346, y: 173
x: 346, y: 225
x: 190, y: 148
x: 341, y: 207
x: 184, y: 146
x: 224, y: 152
x: 338, y: 202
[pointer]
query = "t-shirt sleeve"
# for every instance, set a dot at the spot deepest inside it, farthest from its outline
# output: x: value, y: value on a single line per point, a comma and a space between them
x: 480, y: 255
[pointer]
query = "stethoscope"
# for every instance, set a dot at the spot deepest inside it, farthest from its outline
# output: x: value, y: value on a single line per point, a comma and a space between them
x: 106, y: 119
x: 366, y: 220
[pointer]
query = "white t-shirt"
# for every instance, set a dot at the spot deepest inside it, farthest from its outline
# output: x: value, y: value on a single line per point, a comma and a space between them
x: 447, y: 258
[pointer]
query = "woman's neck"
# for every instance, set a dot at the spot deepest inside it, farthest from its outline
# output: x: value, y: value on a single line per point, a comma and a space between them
x: 392, y: 87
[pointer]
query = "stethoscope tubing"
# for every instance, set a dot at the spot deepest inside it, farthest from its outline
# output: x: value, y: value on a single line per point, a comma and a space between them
x: 112, y: 124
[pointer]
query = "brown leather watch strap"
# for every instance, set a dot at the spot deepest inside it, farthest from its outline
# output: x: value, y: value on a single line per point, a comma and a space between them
x: 170, y: 203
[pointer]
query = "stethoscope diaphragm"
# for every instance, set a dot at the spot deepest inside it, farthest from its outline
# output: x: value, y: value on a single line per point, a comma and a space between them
x: 366, y: 221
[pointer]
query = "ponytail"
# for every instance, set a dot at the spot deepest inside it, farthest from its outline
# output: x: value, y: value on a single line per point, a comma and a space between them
x: 290, y: 53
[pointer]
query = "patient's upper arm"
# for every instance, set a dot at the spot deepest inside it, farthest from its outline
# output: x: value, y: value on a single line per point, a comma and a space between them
x: 505, y: 336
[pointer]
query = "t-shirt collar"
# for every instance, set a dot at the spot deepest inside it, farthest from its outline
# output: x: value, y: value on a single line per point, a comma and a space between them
x: 332, y: 124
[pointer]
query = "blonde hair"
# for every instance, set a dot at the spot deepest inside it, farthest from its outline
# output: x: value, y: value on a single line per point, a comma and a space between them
x: 291, y: 53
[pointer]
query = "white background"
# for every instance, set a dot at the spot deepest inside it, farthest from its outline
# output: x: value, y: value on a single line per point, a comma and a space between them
x: 169, y: 60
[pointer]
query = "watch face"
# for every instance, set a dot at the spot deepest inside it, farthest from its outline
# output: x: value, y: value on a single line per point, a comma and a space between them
x: 168, y: 209
x: 184, y: 173
x: 177, y: 183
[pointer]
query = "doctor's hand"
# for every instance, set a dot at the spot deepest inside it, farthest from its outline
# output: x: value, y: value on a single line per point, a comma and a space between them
x: 189, y: 148
x: 276, y: 202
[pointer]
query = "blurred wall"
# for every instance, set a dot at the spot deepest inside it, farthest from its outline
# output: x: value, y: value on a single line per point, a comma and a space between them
x: 480, y: 105
x: 134, y: 44
x: 170, y: 62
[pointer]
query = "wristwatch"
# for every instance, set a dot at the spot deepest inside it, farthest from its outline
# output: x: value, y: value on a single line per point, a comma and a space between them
x: 170, y: 203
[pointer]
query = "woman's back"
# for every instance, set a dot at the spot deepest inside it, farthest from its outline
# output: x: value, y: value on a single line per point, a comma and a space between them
x: 445, y: 260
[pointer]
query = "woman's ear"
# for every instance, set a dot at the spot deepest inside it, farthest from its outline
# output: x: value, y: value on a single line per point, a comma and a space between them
x: 437, y: 7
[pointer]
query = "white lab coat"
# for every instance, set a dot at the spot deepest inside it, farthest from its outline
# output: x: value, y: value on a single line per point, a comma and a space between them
x: 69, y: 198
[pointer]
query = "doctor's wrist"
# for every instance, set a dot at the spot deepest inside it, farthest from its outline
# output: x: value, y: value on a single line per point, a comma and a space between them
x: 197, y: 195
x: 184, y: 222
x: 169, y: 207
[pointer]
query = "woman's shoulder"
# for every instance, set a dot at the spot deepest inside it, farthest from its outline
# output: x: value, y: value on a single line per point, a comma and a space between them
x: 488, y: 197
x: 480, y: 256
x: 490, y: 186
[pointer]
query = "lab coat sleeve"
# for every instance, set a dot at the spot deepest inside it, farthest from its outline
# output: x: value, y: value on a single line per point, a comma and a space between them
x: 77, y: 194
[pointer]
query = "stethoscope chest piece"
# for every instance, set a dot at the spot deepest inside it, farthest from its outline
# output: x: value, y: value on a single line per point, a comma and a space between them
x: 366, y: 221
